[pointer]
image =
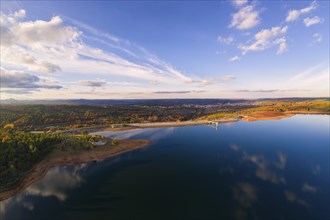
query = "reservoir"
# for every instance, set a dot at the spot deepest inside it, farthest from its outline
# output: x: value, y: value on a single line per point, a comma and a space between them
x: 243, y: 170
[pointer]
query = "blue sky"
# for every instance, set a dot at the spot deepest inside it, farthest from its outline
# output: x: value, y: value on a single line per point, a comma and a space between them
x: 167, y: 49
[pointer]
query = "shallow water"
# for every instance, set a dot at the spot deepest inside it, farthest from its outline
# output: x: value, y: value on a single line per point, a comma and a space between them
x: 243, y: 170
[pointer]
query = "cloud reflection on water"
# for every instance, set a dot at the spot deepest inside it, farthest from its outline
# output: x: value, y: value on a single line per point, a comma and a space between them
x: 265, y: 168
x: 57, y: 182
x: 234, y: 147
x: 309, y: 188
x: 152, y: 134
x: 246, y: 195
x: 316, y: 169
x: 291, y: 197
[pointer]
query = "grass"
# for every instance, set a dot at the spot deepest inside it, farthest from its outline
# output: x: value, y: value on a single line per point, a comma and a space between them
x: 321, y: 106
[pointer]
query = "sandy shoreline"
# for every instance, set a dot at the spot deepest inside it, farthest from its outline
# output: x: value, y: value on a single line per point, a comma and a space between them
x: 39, y: 170
x: 178, y: 124
x: 258, y: 116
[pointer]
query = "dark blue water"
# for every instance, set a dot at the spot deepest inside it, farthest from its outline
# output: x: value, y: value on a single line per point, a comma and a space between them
x: 244, y: 170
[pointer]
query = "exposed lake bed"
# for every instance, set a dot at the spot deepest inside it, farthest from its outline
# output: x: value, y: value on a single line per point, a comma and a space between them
x: 243, y: 170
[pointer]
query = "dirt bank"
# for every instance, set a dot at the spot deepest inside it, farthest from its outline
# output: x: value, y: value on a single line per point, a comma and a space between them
x: 267, y: 115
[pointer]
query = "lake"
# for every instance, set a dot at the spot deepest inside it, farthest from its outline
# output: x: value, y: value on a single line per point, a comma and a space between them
x: 243, y: 170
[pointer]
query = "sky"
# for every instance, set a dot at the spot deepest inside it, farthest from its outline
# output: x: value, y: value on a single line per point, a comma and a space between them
x: 165, y: 49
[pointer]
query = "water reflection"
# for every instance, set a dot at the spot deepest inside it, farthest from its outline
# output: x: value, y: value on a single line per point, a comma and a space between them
x: 246, y: 195
x: 272, y: 171
x: 152, y: 134
x: 234, y: 147
x: 316, y: 169
x: 260, y: 178
x: 309, y: 188
x: 266, y: 169
x: 56, y: 183
x: 291, y: 197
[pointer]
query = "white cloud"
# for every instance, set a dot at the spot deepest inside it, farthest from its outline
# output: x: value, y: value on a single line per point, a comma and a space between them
x: 293, y: 15
x: 15, y: 79
x: 227, y: 78
x: 45, y: 32
x: 239, y: 3
x: 51, y: 46
x: 93, y: 83
x: 20, y: 13
x: 235, y: 58
x: 317, y: 38
x: 39, y: 32
x: 19, y: 55
x: 282, y: 48
x: 315, y: 77
x: 312, y: 21
x: 178, y: 92
x: 215, y: 80
x: 220, y: 52
x: 246, y: 18
x: 225, y: 40
x: 267, y: 38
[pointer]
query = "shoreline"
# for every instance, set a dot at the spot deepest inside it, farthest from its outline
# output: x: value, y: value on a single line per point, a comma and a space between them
x: 267, y: 115
x: 179, y: 124
x: 55, y: 159
x: 258, y: 116
x: 40, y: 169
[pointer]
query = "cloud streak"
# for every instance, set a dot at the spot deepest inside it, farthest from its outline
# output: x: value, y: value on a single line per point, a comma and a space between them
x: 225, y: 40
x: 235, y: 58
x: 178, y: 92
x: 93, y: 83
x: 54, y: 47
x: 11, y: 79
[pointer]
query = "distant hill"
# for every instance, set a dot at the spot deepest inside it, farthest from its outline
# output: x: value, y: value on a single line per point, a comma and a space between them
x: 165, y: 102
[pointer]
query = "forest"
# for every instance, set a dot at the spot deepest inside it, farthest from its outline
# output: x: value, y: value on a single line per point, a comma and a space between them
x: 52, y: 117
x: 45, y: 117
x: 20, y: 150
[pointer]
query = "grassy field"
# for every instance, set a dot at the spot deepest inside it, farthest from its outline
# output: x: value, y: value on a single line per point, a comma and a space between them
x: 320, y: 106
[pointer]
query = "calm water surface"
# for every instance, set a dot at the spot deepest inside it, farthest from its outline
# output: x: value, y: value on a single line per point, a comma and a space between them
x: 243, y: 170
